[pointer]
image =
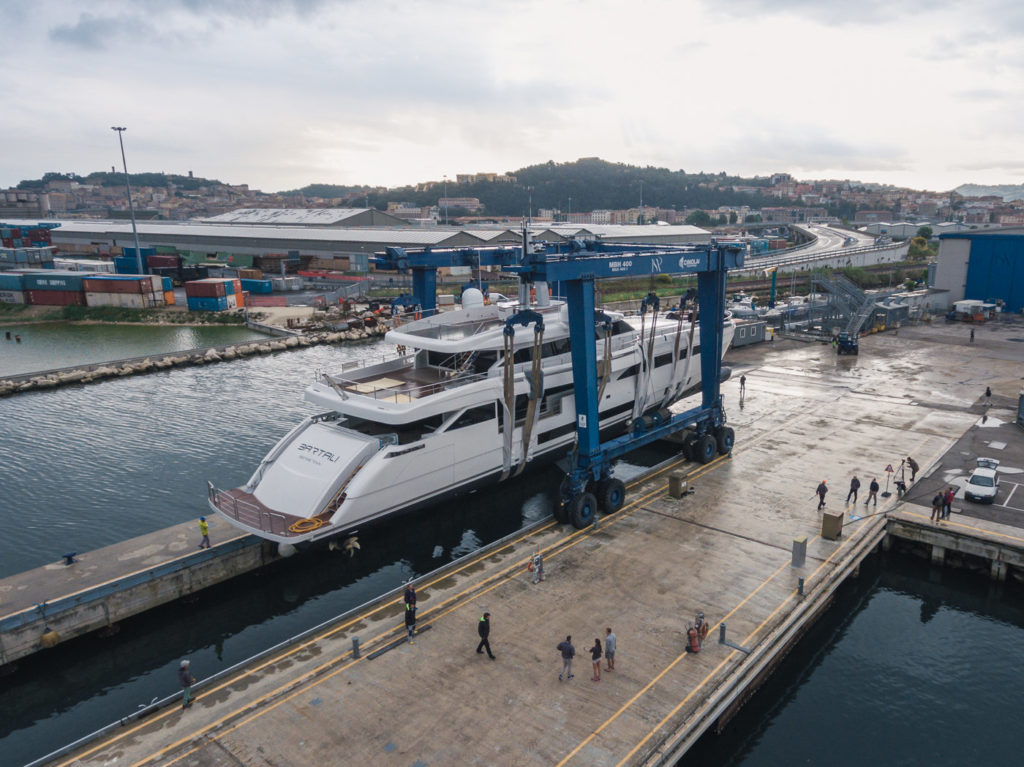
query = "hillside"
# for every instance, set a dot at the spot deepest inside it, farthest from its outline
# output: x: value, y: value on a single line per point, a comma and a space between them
x: 1006, y: 191
x: 103, y: 178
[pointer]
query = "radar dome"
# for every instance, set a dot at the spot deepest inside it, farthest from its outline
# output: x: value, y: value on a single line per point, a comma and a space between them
x: 472, y: 297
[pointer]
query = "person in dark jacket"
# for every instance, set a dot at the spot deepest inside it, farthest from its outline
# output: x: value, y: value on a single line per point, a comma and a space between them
x: 483, y: 628
x: 186, y: 680
x: 410, y: 595
x: 568, y: 653
x: 872, y: 492
x: 821, y: 492
x: 854, y: 487
x: 937, y: 507
x: 913, y: 467
x: 595, y: 657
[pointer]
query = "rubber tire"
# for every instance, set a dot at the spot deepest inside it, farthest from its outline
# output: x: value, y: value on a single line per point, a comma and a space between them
x: 582, y: 511
x: 706, y: 449
x: 725, y: 437
x: 611, y: 495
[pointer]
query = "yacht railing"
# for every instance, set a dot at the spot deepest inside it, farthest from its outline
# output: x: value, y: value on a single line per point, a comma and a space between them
x: 246, y: 513
x: 403, y: 392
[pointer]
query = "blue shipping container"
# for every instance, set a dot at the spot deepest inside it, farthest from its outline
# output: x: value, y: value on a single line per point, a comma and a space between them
x: 167, y: 283
x: 258, y: 286
x: 54, y: 281
x: 10, y: 282
x: 201, y: 304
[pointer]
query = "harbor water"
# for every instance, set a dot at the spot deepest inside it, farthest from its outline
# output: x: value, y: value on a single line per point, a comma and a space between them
x: 50, y: 345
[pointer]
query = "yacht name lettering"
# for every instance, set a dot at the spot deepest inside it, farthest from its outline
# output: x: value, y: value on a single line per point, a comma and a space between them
x: 318, y: 452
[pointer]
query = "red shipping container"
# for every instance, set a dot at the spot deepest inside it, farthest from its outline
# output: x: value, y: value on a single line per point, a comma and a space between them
x: 55, y: 297
x: 160, y: 260
x: 7, y: 242
x: 205, y: 289
x: 99, y: 285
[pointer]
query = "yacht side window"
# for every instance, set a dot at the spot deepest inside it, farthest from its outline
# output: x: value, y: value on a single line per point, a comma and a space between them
x: 474, y: 415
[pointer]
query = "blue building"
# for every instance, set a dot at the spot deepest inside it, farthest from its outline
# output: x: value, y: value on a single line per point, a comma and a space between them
x: 984, y: 265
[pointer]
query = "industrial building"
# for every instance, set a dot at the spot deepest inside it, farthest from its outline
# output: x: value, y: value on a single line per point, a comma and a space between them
x: 319, y: 217
x: 983, y: 265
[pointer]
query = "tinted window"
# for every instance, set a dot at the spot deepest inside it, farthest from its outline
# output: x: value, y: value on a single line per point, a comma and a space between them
x: 474, y: 415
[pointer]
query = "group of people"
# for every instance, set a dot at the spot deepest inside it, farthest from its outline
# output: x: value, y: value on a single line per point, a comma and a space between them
x: 822, y: 490
x: 942, y: 504
x: 568, y: 652
x: 873, y: 489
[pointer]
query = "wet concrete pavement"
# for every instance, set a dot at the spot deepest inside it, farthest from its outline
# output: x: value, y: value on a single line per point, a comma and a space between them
x: 724, y: 550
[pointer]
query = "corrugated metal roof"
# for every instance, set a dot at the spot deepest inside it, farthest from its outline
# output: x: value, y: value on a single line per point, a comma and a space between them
x: 297, y: 216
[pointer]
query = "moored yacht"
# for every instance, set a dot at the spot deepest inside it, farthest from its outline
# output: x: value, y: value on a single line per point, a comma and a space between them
x: 440, y: 418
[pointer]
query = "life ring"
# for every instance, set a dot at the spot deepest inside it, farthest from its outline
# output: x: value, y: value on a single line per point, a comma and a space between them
x: 306, y: 525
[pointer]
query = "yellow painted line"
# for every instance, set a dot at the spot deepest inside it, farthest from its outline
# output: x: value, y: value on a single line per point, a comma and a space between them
x: 500, y: 578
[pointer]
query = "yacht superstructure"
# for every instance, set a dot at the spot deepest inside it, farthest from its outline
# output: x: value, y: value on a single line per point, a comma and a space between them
x: 444, y: 416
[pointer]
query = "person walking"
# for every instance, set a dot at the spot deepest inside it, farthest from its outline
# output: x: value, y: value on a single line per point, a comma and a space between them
x: 743, y: 385
x: 186, y: 680
x: 872, y: 492
x: 913, y: 467
x: 947, y: 502
x: 483, y: 628
x: 609, y: 649
x: 410, y: 621
x: 937, y: 507
x: 595, y: 659
x: 854, y: 487
x: 972, y: 335
x: 537, y: 565
x: 821, y: 492
x: 568, y: 653
x: 988, y: 394
x: 204, y: 530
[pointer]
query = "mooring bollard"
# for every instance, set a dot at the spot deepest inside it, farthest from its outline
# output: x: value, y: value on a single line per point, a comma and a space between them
x: 800, y: 586
x: 799, y: 551
x: 676, y: 485
x: 355, y: 647
x: 721, y: 633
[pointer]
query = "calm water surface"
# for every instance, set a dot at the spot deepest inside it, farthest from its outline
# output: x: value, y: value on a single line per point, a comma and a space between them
x: 49, y: 345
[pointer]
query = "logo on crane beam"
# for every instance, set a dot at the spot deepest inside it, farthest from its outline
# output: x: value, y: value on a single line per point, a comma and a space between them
x: 689, y: 263
x: 656, y: 264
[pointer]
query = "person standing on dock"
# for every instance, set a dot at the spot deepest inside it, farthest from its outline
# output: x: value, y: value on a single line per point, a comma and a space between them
x: 483, y: 628
x: 595, y: 659
x: 821, y: 492
x: 204, y: 530
x: 913, y: 467
x: 410, y: 620
x: 743, y: 385
x: 537, y: 565
x: 568, y: 653
x: 410, y: 596
x: 609, y: 649
x: 187, y: 680
x: 972, y: 335
x: 937, y: 507
x: 854, y: 487
x: 873, y: 492
x: 947, y: 502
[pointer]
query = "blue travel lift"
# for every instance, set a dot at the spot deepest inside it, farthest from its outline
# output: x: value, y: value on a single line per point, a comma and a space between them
x: 589, y: 485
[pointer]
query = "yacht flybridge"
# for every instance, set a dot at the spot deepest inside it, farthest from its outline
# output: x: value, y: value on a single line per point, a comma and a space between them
x: 454, y: 411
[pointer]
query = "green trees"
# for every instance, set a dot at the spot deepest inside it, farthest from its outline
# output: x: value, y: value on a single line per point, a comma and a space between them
x: 699, y: 218
x: 925, y: 232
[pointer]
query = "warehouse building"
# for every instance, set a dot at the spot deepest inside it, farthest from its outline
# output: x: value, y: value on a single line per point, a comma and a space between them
x: 983, y: 265
x: 347, y: 217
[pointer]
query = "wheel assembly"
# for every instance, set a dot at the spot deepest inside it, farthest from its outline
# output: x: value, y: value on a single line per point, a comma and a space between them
x: 705, y: 449
x: 611, y: 495
x: 725, y: 437
x: 582, y: 510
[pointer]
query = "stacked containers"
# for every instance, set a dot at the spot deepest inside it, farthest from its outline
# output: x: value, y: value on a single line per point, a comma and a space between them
x: 53, y: 288
x: 206, y: 295
x: 257, y: 286
x: 127, y: 290
x: 11, y: 289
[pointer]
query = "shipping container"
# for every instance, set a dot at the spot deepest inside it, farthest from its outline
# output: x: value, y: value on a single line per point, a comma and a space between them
x: 166, y: 283
x: 210, y: 288
x: 100, y: 299
x: 126, y: 283
x: 125, y: 265
x: 257, y: 286
x: 55, y: 298
x: 11, y: 296
x: 232, y: 301
x: 54, y: 280
x: 205, y: 304
x: 11, y: 282
x: 169, y: 299
x: 250, y: 274
x: 162, y: 261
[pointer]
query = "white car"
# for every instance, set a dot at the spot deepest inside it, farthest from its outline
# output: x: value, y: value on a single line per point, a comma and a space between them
x: 983, y: 484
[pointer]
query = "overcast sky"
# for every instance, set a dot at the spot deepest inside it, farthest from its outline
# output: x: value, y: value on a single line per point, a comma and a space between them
x: 282, y: 93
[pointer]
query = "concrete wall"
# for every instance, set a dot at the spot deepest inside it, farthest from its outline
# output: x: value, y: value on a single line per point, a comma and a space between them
x: 951, y: 269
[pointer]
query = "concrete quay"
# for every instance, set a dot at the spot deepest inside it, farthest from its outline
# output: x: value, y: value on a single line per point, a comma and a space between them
x: 102, y: 587
x: 725, y: 550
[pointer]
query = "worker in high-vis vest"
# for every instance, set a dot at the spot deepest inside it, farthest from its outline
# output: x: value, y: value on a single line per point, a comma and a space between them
x: 204, y: 530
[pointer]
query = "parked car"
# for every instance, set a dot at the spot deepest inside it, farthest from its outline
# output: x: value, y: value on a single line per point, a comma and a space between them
x: 983, y: 484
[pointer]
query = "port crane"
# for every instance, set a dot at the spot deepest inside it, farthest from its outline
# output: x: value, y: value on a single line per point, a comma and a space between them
x: 589, y: 486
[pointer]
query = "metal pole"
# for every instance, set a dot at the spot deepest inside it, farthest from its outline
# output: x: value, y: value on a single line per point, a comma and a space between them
x: 131, y: 206
x: 446, y: 201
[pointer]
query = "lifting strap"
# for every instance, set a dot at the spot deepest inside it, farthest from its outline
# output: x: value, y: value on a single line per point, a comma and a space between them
x: 536, y: 393
x: 508, y: 403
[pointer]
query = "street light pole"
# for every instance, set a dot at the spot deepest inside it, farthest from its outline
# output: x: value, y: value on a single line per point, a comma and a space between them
x: 446, y: 200
x: 131, y: 205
